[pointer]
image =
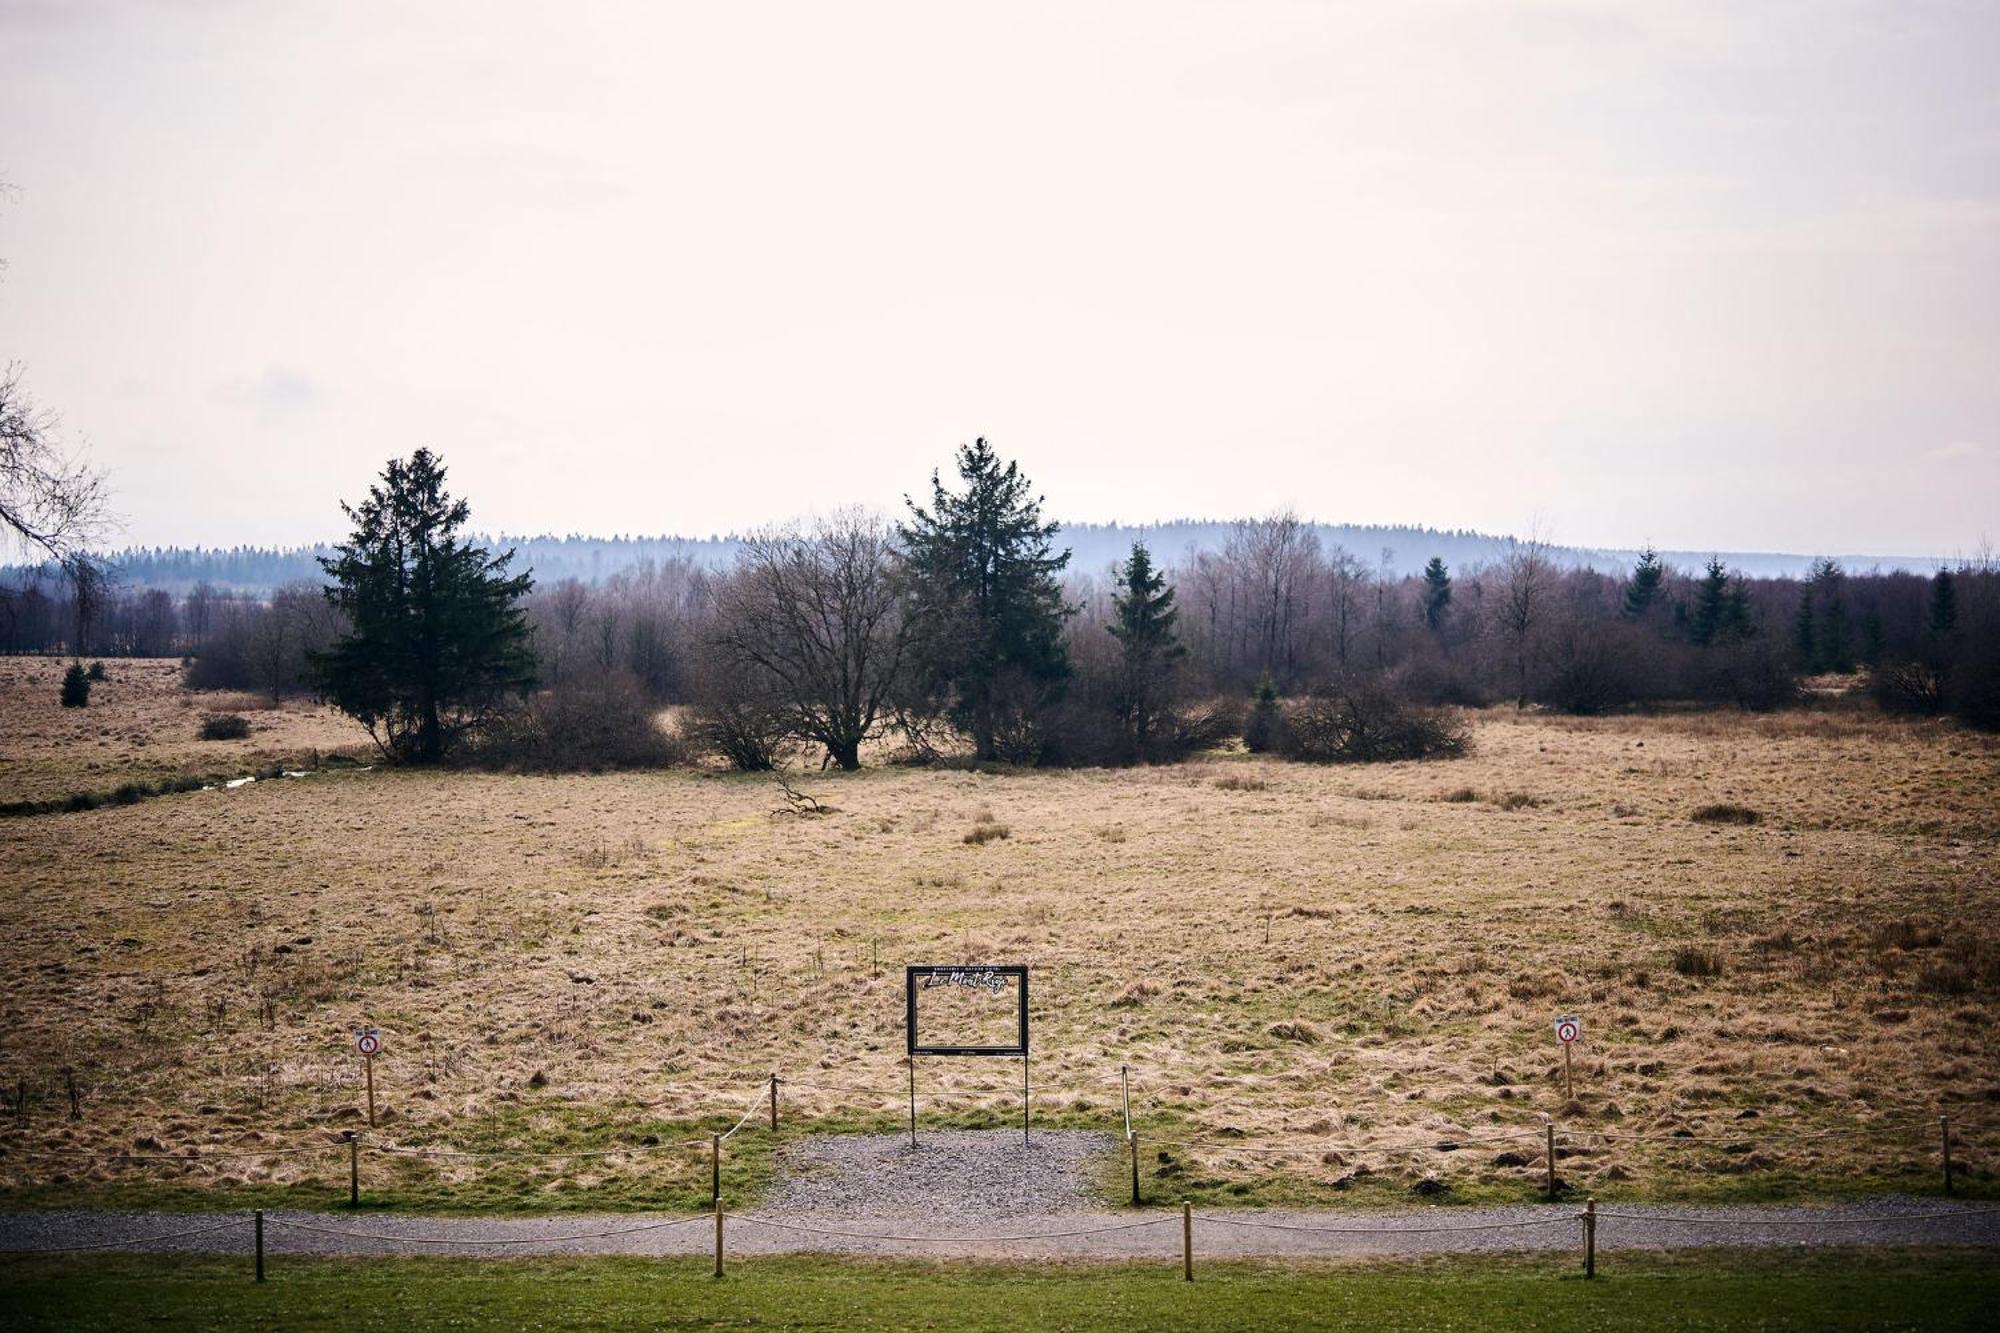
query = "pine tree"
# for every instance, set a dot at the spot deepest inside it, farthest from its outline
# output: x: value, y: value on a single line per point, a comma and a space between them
x: 1944, y: 604
x: 1711, y: 603
x: 1645, y: 583
x: 76, y: 687
x: 984, y: 604
x: 1437, y: 593
x: 436, y: 641
x: 1144, y: 628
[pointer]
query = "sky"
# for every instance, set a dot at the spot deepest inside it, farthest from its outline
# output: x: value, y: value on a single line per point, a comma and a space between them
x: 1713, y: 275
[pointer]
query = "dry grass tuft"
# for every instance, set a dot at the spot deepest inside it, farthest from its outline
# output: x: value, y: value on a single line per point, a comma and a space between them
x: 981, y: 834
x: 1135, y: 994
x: 1241, y: 782
x: 1295, y: 1029
x: 1518, y: 800
x: 1726, y: 812
x: 1459, y: 796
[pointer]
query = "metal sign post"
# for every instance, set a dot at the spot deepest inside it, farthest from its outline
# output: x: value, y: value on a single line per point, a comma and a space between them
x: 1568, y: 1028
x: 368, y: 1041
x: 994, y: 979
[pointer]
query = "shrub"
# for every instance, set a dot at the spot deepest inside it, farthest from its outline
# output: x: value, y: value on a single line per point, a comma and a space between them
x: 1726, y: 812
x: 588, y: 724
x: 75, y: 687
x: 225, y: 727
x: 1692, y: 960
x: 1367, y: 722
x: 96, y: 671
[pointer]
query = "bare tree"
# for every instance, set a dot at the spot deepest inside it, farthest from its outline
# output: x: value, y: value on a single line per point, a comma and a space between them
x: 1527, y: 577
x: 51, y: 502
x: 816, y: 610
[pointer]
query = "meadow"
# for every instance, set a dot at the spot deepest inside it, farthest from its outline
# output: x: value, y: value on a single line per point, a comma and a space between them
x: 1779, y: 933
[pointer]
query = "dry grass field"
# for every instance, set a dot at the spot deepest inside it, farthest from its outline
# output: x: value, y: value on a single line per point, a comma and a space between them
x: 1293, y: 961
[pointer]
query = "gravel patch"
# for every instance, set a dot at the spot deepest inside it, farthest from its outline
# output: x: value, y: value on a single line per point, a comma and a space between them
x: 951, y: 1176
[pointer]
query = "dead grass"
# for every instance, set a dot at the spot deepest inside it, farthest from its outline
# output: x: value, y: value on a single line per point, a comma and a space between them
x: 658, y: 941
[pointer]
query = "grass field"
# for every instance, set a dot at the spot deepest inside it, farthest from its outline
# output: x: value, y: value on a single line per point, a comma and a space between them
x: 1862, y: 1290
x: 1293, y: 961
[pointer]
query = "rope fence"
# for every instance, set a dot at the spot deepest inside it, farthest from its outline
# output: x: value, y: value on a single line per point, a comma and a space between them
x: 1553, y: 1140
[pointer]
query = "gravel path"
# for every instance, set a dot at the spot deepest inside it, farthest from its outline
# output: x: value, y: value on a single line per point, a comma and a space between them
x: 980, y: 1195
x: 1139, y: 1234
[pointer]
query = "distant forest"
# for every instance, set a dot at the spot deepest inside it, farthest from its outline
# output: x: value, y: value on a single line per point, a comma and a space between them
x: 1397, y: 551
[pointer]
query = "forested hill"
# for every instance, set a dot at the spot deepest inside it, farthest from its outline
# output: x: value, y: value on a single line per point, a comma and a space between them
x: 1398, y: 549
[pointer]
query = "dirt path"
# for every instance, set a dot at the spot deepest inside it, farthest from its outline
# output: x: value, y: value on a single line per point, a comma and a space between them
x: 1102, y: 1235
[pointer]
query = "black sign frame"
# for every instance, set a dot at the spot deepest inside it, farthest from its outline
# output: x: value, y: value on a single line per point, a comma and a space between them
x: 1017, y: 971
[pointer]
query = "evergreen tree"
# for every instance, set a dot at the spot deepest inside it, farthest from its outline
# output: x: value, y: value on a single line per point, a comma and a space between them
x: 1805, y: 632
x: 76, y: 687
x: 984, y: 604
x: 1737, y: 622
x: 1711, y: 604
x: 1645, y: 583
x: 1144, y: 628
x: 436, y: 641
x: 1437, y: 593
x: 1833, y: 645
x: 1260, y: 730
x: 1944, y: 604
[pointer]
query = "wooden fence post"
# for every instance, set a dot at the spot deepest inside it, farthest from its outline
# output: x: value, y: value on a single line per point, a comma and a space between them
x: 715, y: 1170
x: 1132, y: 1141
x: 1187, y: 1241
x: 1590, y: 1238
x: 1551, y: 1152
x: 259, y: 1216
x: 353, y: 1169
x: 774, y: 1101
x: 718, y: 1238
x: 1944, y: 1148
x: 1125, y: 1083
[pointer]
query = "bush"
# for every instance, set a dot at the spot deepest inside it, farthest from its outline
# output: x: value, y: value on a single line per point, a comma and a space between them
x: 1691, y: 960
x: 225, y: 727
x: 590, y: 724
x: 1367, y: 722
x: 96, y: 671
x: 1726, y: 812
x: 1909, y: 687
x: 75, y: 687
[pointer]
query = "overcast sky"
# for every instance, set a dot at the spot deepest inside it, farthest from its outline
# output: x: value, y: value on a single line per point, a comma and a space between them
x: 1715, y: 275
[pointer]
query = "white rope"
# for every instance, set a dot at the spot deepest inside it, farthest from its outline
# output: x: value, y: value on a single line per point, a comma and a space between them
x: 1888, y: 1219
x: 132, y: 1240
x: 399, y: 1151
x: 503, y: 1240
x: 1387, y: 1231
x: 756, y: 1104
x: 949, y: 1240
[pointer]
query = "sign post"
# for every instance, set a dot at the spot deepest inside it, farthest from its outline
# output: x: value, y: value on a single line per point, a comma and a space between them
x: 1568, y: 1028
x: 962, y: 1000
x: 368, y: 1041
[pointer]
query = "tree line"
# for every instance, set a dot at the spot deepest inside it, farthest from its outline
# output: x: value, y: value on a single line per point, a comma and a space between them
x: 961, y: 627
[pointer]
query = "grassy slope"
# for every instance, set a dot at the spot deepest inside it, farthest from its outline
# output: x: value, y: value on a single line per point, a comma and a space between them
x: 1927, y: 1289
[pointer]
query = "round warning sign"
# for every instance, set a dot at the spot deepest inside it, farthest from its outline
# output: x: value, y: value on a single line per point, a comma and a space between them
x: 368, y: 1041
x: 1568, y: 1028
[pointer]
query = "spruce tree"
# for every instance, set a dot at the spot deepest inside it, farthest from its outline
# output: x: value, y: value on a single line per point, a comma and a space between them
x: 985, y: 608
x: 1944, y: 604
x: 1805, y: 632
x: 1644, y: 586
x: 1833, y: 642
x: 76, y: 687
x: 436, y: 640
x: 1437, y: 593
x: 1144, y: 628
x: 1261, y: 729
x: 1711, y: 603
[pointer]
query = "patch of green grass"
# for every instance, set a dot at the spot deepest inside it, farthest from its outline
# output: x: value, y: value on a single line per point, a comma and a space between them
x: 1850, y: 1289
